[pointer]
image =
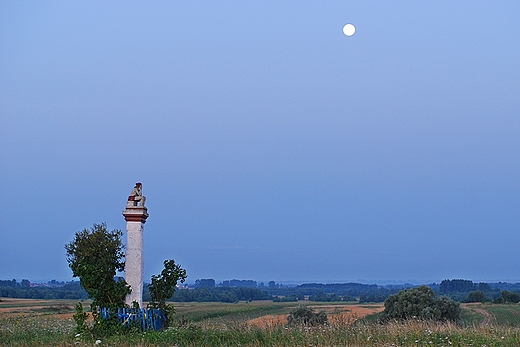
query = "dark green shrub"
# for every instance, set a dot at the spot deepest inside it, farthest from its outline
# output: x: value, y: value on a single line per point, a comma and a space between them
x: 304, y: 315
x: 80, y: 317
x: 420, y: 303
x: 163, y: 287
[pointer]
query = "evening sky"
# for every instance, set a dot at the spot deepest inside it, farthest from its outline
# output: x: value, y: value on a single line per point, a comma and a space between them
x: 270, y: 145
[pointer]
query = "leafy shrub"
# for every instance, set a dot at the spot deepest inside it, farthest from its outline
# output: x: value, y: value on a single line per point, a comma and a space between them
x: 95, y: 256
x: 304, y: 315
x: 80, y: 317
x: 163, y: 287
x: 476, y: 296
x: 420, y: 303
x: 507, y: 297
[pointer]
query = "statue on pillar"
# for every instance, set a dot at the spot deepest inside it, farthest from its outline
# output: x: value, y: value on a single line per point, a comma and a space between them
x: 135, y: 218
x: 136, y: 195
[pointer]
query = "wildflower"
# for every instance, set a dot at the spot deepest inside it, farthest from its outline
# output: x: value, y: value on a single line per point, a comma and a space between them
x: 97, y: 342
x: 77, y: 335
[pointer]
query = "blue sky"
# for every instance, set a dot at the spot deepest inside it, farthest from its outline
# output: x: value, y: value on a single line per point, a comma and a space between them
x: 270, y: 145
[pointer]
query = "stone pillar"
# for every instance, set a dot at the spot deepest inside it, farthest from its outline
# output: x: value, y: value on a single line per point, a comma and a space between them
x: 135, y: 217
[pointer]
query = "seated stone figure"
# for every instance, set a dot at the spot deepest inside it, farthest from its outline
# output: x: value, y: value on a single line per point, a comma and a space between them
x: 136, y: 195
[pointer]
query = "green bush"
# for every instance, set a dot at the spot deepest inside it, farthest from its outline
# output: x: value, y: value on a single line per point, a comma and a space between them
x: 80, y: 317
x: 419, y: 303
x: 304, y: 315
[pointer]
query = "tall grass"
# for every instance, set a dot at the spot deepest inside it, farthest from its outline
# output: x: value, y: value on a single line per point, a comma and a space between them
x: 28, y: 330
x: 392, y: 334
x: 45, y: 331
x: 221, y: 325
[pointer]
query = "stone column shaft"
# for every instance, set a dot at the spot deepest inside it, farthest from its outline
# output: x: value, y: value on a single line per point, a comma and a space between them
x: 134, y: 264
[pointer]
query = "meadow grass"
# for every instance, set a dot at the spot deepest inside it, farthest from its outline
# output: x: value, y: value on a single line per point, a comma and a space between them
x: 392, y: 334
x: 216, y: 312
x: 508, y: 314
x: 33, y: 304
x: 46, y: 330
x: 36, y: 330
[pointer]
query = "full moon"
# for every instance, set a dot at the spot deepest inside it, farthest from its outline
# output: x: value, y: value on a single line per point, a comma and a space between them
x: 349, y: 29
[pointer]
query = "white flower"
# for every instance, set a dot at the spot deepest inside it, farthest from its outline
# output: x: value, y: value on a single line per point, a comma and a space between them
x: 97, y: 342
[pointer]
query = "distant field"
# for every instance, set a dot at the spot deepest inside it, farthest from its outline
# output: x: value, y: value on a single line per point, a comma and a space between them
x: 492, y: 314
x: 29, y: 323
x: 59, y: 308
x: 261, y: 313
x: 506, y: 314
x: 195, y: 312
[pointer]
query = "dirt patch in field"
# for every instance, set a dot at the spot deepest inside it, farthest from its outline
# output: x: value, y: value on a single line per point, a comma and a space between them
x: 352, y: 313
x: 337, y: 314
x: 268, y: 321
x: 20, y: 307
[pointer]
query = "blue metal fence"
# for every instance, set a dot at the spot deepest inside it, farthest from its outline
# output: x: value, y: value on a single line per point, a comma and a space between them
x: 144, y: 318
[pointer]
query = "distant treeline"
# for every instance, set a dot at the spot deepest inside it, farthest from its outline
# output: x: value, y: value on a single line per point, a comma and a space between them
x: 335, y: 292
x: 467, y: 291
x: 207, y: 290
x: 217, y: 294
x: 47, y: 291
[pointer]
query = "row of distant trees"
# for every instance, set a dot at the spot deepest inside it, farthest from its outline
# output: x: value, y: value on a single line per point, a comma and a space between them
x: 210, y: 283
x: 220, y: 294
x: 206, y: 290
x: 467, y: 291
x: 47, y: 291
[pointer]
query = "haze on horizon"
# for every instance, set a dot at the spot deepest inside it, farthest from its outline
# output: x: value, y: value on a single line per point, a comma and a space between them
x: 270, y: 145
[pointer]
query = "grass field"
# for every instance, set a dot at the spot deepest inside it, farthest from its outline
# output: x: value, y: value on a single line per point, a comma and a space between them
x: 213, y: 312
x: 49, y: 323
x: 244, y: 312
x: 507, y: 315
